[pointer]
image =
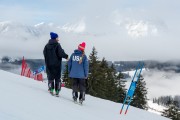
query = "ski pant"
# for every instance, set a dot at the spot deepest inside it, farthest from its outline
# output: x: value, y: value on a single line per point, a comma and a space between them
x: 57, y: 84
x: 79, y: 83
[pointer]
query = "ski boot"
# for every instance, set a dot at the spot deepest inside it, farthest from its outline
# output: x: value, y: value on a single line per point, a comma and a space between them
x: 81, y: 101
x: 57, y: 93
x: 52, y: 92
x: 81, y: 97
x: 75, y: 99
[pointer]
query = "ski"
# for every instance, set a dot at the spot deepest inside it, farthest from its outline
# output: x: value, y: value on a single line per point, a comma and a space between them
x: 132, y: 87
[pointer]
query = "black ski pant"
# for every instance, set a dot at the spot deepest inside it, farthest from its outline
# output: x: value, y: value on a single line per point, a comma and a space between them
x: 57, y: 85
x: 79, y: 83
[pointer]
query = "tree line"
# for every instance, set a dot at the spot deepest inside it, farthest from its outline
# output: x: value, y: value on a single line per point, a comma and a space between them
x: 166, y: 100
x: 172, y: 103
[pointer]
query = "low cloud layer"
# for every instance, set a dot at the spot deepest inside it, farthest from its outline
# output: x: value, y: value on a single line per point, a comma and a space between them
x: 160, y: 83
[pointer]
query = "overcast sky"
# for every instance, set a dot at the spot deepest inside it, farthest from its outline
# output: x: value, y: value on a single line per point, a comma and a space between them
x: 119, y: 29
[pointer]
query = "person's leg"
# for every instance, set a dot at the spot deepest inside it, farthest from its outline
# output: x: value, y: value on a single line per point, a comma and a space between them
x: 57, y: 86
x: 50, y: 84
x: 82, y: 87
x: 75, y: 88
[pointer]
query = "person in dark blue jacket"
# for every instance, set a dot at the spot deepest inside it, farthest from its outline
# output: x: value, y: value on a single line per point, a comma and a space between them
x: 78, y: 68
x: 53, y: 54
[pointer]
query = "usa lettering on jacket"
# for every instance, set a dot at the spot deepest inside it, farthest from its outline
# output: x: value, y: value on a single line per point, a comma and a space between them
x: 76, y: 58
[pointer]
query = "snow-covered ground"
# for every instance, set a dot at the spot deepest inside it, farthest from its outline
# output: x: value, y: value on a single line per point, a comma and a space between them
x: 155, y: 108
x: 25, y: 99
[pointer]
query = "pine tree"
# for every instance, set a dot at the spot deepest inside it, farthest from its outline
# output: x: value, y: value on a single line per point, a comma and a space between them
x: 169, y: 101
x: 66, y: 79
x: 140, y: 99
x: 112, y: 84
x: 103, y: 81
x: 102, y: 84
x: 116, y: 83
x: 121, y: 88
x: 106, y: 83
x: 172, y: 111
x: 93, y: 73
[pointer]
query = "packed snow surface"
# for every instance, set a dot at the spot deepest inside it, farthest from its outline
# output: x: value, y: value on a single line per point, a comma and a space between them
x: 25, y: 99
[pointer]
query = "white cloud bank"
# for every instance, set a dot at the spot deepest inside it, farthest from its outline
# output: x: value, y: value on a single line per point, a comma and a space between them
x: 120, y: 30
x: 79, y: 27
x: 135, y: 28
x: 160, y: 83
x: 141, y: 29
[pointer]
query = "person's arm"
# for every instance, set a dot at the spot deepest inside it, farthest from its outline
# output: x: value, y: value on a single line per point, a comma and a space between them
x: 61, y: 53
x: 70, y: 64
x: 86, y: 66
x: 44, y: 52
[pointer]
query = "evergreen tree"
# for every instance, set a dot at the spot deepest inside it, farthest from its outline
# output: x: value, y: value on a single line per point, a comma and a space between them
x: 106, y: 82
x: 102, y: 85
x: 66, y: 79
x: 112, y: 94
x: 5, y: 59
x: 140, y: 99
x: 93, y: 73
x: 169, y: 101
x: 103, y: 81
x: 172, y: 111
x: 117, y: 89
x: 121, y: 88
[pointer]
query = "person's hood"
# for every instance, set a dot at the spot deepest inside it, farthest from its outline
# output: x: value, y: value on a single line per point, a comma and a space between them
x: 51, y: 43
x: 77, y: 51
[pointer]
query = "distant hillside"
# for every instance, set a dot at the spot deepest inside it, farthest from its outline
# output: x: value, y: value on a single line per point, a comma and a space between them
x: 162, y: 66
x: 8, y: 63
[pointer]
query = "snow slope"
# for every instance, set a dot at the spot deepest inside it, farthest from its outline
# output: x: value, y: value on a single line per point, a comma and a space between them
x: 25, y: 99
x: 155, y: 108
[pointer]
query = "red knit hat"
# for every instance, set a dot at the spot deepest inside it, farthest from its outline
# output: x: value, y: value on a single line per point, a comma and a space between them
x: 82, y: 46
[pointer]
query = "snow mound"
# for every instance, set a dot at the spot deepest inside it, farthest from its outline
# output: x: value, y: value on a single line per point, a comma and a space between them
x: 25, y: 99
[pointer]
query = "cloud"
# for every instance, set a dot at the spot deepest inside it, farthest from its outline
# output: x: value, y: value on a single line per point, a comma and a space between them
x: 120, y: 30
x: 75, y: 27
x: 141, y: 29
x: 135, y: 28
x: 160, y: 83
x: 19, y: 40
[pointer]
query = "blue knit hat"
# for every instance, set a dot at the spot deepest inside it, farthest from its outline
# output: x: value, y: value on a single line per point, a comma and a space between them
x: 53, y: 35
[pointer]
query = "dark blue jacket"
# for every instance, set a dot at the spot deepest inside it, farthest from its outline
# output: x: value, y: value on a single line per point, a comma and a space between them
x: 76, y: 69
x: 53, y: 54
